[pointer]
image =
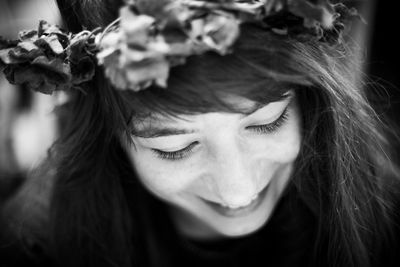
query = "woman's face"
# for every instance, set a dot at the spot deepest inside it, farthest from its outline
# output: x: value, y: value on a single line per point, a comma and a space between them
x: 221, y: 173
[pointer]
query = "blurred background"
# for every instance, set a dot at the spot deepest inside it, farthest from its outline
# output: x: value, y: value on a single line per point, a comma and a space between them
x: 28, y: 125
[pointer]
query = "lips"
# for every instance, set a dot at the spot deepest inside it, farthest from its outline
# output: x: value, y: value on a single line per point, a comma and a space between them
x: 237, y: 212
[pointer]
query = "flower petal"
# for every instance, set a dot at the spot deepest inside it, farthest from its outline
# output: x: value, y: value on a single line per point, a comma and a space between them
x: 28, y: 35
x: 4, y: 43
x: 323, y: 13
x: 150, y: 70
x: 221, y: 31
x: 51, y: 43
x: 55, y: 65
x: 83, y: 70
x: 5, y: 57
x: 136, y: 28
x: 25, y: 51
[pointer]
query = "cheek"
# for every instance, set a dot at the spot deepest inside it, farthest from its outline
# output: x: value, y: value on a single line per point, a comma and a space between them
x: 156, y: 177
x: 288, y: 142
x: 282, y: 147
x: 287, y: 147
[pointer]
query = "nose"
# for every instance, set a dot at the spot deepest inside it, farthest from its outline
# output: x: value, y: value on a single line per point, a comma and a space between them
x: 234, y: 180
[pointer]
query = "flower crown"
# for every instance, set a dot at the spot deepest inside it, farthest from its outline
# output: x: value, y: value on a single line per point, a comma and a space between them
x: 150, y: 36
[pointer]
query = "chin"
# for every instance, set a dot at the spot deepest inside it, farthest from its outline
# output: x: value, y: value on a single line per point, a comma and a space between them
x: 241, y: 230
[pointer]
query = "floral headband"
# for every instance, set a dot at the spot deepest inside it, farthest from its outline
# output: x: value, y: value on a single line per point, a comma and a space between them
x: 150, y: 36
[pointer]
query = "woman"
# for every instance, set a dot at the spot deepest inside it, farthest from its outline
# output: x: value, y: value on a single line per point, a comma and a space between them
x: 268, y: 155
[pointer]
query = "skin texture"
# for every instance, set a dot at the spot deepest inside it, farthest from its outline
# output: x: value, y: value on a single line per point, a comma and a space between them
x: 226, y: 160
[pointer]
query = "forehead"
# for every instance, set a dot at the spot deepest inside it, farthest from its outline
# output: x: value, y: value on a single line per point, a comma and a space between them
x: 173, y: 102
x: 196, y: 93
x: 157, y: 124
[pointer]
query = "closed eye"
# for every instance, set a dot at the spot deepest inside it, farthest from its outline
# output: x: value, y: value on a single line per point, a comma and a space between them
x: 270, y: 127
x: 186, y: 151
x: 175, y: 155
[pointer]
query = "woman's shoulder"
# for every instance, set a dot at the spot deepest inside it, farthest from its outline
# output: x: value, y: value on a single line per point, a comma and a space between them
x: 25, y: 221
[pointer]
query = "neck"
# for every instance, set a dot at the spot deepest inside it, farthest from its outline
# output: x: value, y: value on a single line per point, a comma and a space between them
x: 192, y: 227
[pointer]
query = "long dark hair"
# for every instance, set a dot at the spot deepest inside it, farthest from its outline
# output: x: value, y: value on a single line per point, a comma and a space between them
x: 344, y: 172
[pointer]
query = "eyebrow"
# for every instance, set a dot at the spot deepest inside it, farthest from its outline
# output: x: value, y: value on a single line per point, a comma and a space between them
x: 152, y: 131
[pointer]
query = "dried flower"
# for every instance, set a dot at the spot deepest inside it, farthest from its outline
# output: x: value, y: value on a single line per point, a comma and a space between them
x: 37, y: 61
x: 134, y: 56
x: 42, y: 75
x: 81, y: 60
x: 217, y: 30
x: 48, y: 59
x: 151, y: 36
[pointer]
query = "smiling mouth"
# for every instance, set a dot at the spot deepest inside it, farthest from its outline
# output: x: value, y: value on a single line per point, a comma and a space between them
x: 240, y: 211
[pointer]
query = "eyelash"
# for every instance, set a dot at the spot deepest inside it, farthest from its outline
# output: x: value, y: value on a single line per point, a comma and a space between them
x: 271, y: 127
x: 260, y: 129
x: 175, y: 155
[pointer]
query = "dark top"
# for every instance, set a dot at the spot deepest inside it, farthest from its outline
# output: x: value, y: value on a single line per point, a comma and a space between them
x: 287, y: 239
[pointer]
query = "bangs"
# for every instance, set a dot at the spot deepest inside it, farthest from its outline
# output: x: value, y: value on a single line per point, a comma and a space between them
x: 261, y: 69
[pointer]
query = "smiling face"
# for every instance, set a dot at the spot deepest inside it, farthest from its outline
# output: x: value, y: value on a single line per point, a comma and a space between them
x: 221, y: 173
